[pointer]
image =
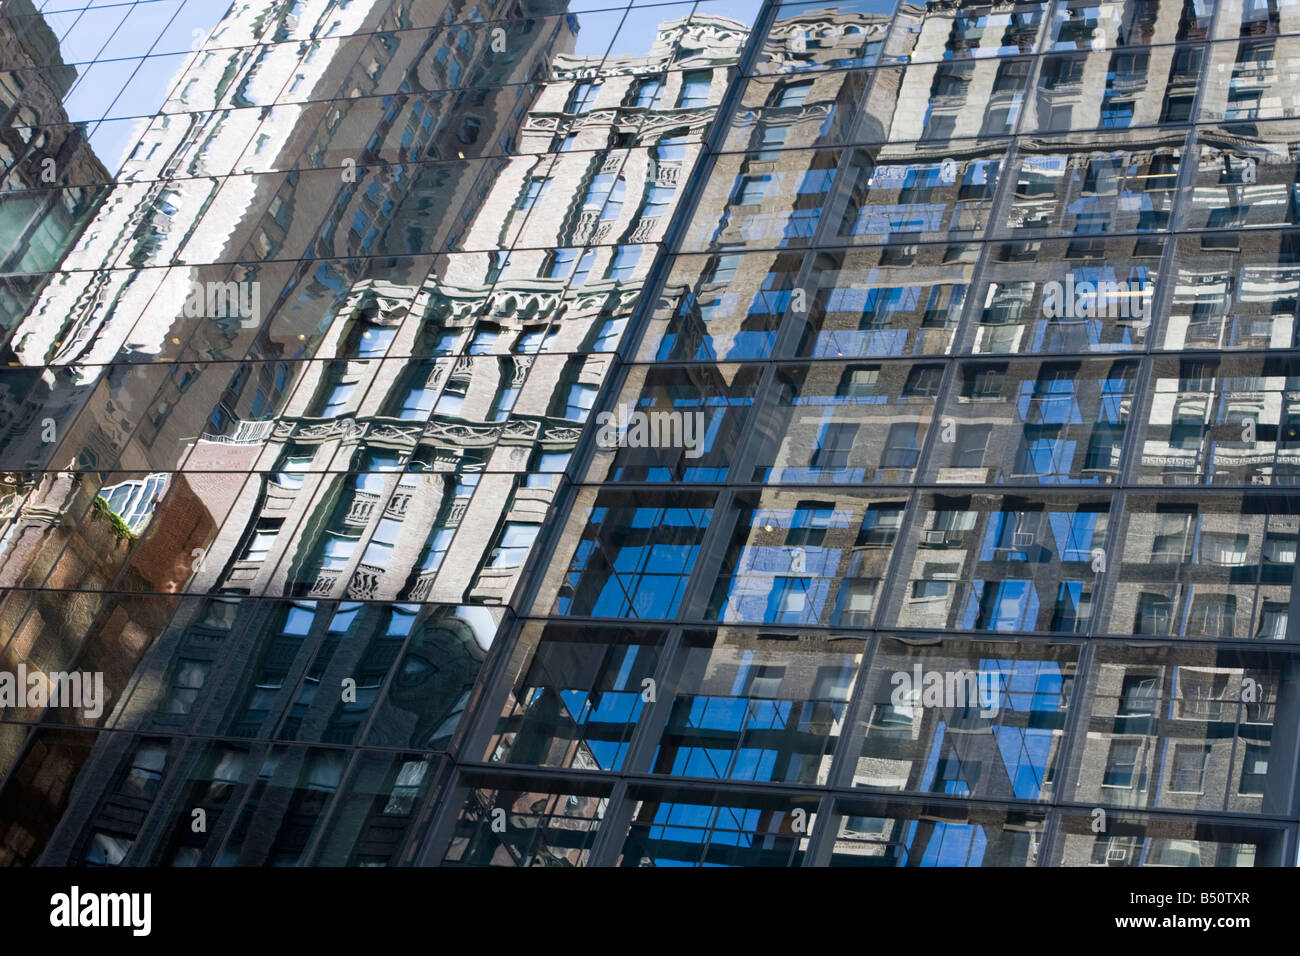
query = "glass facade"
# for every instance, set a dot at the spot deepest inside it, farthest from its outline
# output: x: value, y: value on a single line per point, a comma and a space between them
x: 545, y: 433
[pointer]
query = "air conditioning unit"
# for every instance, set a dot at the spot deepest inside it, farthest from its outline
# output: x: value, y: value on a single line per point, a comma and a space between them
x: 935, y: 537
x: 1023, y: 539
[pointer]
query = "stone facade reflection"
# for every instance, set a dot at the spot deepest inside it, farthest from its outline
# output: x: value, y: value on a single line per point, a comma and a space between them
x: 386, y: 449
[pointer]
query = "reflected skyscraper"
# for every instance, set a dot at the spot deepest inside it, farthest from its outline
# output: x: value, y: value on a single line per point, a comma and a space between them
x: 327, y: 341
x: 985, y: 313
x: 989, y: 555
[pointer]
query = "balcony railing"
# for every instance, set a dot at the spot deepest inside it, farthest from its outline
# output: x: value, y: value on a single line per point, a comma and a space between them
x: 363, y: 506
x: 245, y: 433
x: 423, y: 585
x: 365, y: 582
x: 323, y: 586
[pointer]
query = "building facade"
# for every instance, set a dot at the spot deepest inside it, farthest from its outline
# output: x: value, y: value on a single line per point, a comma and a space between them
x: 831, y: 433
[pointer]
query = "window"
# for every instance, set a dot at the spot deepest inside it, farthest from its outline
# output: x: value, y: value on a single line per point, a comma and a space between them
x: 498, y: 263
x: 373, y: 466
x: 406, y: 788
x: 374, y: 341
x: 671, y: 149
x: 1188, y: 775
x: 187, y: 680
x: 134, y: 501
x: 225, y: 776
x: 1224, y: 549
x: 485, y: 340
x: 834, y: 445
x: 295, y: 464
x: 582, y: 98
x: 344, y: 617
x: 1273, y: 618
x: 1104, y: 449
x: 658, y: 201
x: 856, y: 602
x: 606, y: 194
x: 983, y: 384
x: 447, y: 343
x: 622, y: 265
x: 1116, y: 112
x: 559, y: 263
x: 220, y: 613
x: 108, y: 849
x: 923, y: 381
x: 585, y: 262
x: 552, y: 462
x: 504, y: 401
x: 880, y: 525
x: 1005, y: 605
x: 1154, y: 614
x: 809, y: 524
x: 529, y: 342
x: 1254, y: 770
x: 1042, y: 456
x: 579, y: 402
x: 930, y: 590
x: 534, y: 189
x: 858, y: 382
x: 606, y: 335
x: 516, y: 539
x: 381, y: 544
x: 901, y: 449
x: 723, y: 268
x: 337, y: 551
x: 419, y: 394
x: 1139, y: 696
x: 763, y: 682
x: 972, y: 440
x: 263, y: 536
x: 1202, y: 694
x: 890, y: 719
x: 695, y: 89
x: 334, y: 399
x: 648, y: 91
x: 957, y: 523
x: 771, y: 139
x: 751, y: 190
x: 1170, y: 544
x: 452, y: 398
x: 146, y: 770
x: 1212, y: 615
x: 1073, y: 608
x: 788, y: 601
x: 794, y: 94
x: 1121, y: 764
x: 436, y: 550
